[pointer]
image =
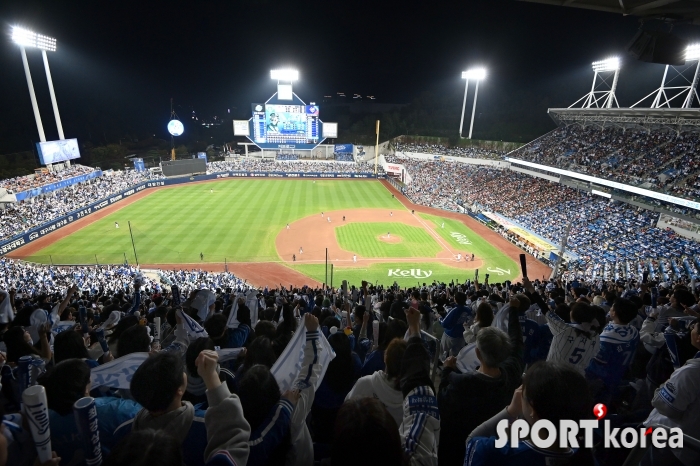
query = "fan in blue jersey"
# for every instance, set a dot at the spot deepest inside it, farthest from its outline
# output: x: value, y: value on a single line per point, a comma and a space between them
x: 618, y: 343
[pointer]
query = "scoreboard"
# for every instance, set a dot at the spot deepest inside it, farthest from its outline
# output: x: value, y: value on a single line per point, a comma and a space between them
x: 280, y: 125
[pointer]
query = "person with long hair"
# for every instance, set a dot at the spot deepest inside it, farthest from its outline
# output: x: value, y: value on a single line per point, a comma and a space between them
x: 384, y: 385
x: 19, y: 343
x: 70, y: 344
x: 550, y: 391
x: 483, y: 319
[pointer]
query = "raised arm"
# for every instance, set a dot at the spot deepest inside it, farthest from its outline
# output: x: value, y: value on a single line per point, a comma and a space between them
x: 515, y: 332
x: 57, y: 311
x: 310, y: 368
x: 227, y: 430
x: 136, y: 301
x: 420, y: 427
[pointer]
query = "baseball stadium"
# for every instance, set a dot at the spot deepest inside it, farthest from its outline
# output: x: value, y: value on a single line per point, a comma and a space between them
x: 287, y: 231
x: 280, y: 289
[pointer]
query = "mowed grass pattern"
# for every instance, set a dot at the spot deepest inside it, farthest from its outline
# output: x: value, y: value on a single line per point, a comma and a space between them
x: 238, y: 222
x: 363, y: 238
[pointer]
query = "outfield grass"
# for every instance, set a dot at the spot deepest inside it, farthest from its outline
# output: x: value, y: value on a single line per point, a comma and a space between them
x: 237, y: 222
x: 387, y: 273
x: 455, y: 233
x: 363, y: 238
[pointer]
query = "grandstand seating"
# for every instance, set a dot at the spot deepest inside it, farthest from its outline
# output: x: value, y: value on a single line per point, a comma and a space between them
x: 287, y: 157
x: 24, y: 183
x: 343, y: 157
x: 659, y: 160
x: 605, y: 235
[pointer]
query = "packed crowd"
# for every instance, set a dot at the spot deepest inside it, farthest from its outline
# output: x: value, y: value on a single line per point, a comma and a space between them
x: 658, y: 160
x: 260, y: 165
x: 24, y: 183
x: 604, y: 235
x: 197, y: 370
x: 20, y: 217
x: 35, y: 280
x: 287, y: 157
x: 343, y: 157
x: 440, y: 149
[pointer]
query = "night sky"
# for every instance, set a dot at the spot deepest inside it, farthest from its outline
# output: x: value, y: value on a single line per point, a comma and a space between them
x: 119, y: 63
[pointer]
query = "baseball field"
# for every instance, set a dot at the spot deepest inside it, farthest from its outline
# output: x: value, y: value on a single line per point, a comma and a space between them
x: 284, y: 231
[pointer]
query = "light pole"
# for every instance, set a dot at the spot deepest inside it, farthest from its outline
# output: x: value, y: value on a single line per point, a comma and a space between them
x: 693, y: 53
x: 26, y: 38
x: 602, y: 98
x: 465, y: 76
x: 476, y: 74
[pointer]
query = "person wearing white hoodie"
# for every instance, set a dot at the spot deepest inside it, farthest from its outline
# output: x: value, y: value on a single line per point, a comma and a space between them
x: 384, y: 386
x: 7, y: 313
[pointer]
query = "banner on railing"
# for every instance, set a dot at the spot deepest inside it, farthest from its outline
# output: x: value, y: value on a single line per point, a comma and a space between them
x: 47, y: 188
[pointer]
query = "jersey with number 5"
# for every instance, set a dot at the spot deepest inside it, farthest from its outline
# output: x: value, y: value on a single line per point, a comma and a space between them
x: 571, y: 345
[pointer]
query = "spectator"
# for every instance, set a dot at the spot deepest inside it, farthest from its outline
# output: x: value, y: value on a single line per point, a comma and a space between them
x: 453, y: 323
x: 676, y: 404
x: 384, y: 385
x: 618, y: 344
x: 549, y: 391
x: 466, y: 400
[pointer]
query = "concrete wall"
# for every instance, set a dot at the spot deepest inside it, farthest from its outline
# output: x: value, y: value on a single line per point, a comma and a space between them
x: 533, y: 173
x: 466, y: 160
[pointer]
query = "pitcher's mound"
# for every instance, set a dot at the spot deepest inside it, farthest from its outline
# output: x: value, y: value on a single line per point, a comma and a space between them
x: 393, y: 239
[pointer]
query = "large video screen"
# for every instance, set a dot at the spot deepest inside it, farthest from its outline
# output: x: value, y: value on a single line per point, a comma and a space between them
x: 58, y: 151
x: 286, y: 126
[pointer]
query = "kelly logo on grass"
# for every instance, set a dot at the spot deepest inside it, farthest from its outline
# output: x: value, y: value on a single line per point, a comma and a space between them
x: 544, y: 434
x: 406, y: 273
x: 460, y: 238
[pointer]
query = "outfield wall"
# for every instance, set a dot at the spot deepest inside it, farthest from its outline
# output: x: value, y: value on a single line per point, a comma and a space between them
x: 37, y: 232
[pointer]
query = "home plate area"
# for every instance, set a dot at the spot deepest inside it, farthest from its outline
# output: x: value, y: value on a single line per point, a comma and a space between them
x: 306, y: 241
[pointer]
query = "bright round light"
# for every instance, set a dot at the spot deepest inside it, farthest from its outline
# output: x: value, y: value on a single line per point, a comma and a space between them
x: 175, y: 128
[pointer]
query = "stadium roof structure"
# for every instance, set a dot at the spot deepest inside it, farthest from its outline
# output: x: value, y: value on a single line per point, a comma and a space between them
x: 677, y: 119
x: 667, y: 9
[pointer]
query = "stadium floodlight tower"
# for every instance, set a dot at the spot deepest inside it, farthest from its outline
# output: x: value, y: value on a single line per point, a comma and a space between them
x: 665, y: 94
x: 476, y: 74
x: 285, y: 78
x: 602, y: 98
x: 26, y: 38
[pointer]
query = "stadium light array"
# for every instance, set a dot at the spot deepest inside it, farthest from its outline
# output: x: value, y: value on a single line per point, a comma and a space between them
x: 692, y: 52
x: 475, y: 73
x: 27, y: 38
x: 609, y: 64
x: 284, y: 75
